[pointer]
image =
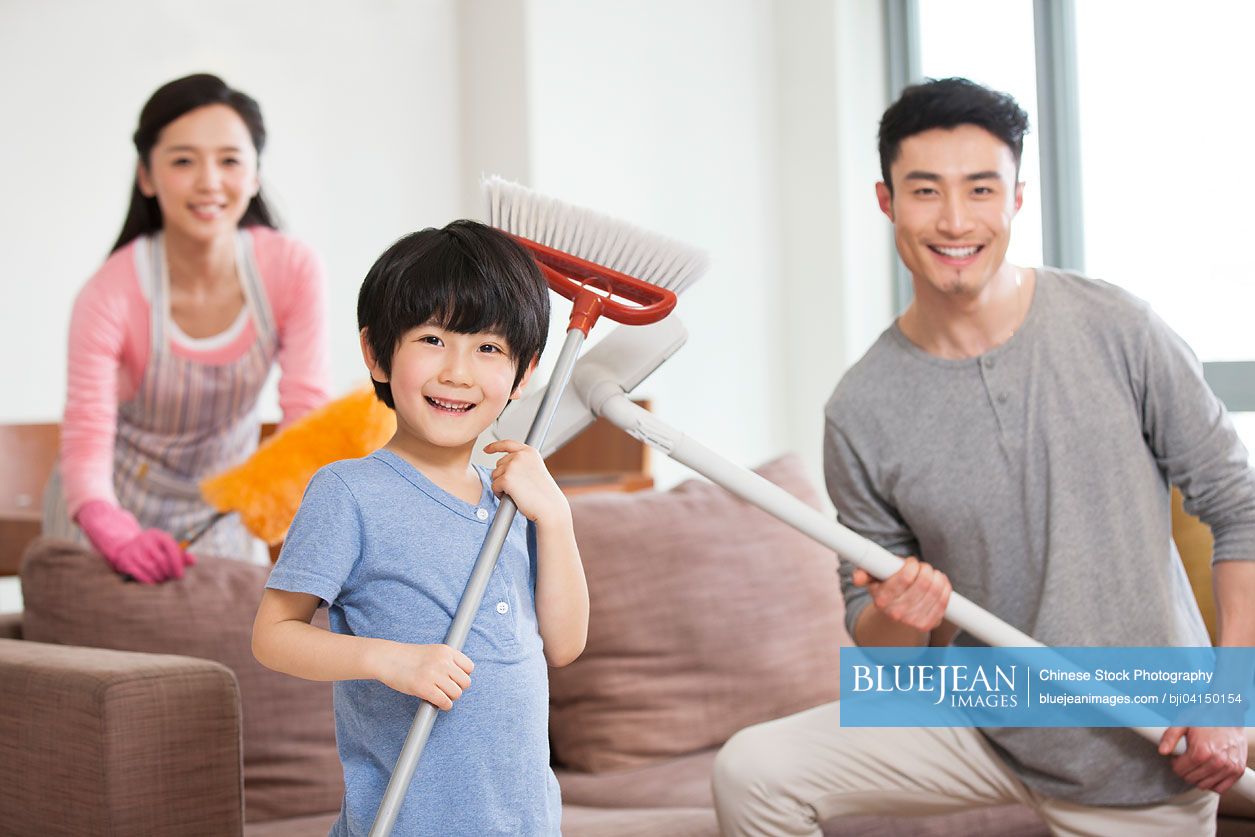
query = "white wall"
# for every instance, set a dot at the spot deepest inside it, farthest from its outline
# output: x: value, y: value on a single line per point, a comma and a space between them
x: 362, y: 108
x: 745, y: 127
x: 835, y: 245
x: 661, y: 113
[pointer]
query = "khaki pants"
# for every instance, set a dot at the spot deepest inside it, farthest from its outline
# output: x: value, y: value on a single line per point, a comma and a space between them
x: 784, y: 777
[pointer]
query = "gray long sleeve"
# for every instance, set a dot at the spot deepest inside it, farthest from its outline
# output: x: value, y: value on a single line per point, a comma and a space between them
x: 1037, y: 478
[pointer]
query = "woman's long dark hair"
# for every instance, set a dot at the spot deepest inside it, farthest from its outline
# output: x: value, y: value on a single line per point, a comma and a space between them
x: 166, y: 105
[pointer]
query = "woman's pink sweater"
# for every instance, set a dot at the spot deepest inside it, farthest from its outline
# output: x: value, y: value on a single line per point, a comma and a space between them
x: 109, y: 348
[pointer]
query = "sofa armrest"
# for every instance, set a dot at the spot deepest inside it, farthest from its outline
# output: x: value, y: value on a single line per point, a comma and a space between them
x: 117, y: 743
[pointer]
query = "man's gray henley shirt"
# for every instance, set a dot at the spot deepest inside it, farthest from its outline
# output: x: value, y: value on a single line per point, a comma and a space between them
x: 1036, y: 477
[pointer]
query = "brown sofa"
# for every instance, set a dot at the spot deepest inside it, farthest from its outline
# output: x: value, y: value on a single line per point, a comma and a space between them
x: 127, y: 709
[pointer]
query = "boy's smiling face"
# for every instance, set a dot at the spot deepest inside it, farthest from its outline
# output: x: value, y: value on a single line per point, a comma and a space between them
x: 449, y: 387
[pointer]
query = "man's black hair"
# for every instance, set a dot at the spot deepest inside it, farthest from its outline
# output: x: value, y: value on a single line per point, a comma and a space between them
x: 949, y: 103
x: 467, y: 278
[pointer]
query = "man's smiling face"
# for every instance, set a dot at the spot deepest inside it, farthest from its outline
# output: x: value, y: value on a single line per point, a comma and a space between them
x: 954, y: 196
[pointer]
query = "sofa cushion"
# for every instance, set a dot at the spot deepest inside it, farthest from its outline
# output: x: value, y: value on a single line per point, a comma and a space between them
x: 316, y: 826
x: 291, y: 767
x: 682, y: 785
x: 707, y: 615
x: 682, y: 782
x: 578, y: 821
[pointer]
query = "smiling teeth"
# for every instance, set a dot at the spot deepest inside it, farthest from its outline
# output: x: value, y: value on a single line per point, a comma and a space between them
x: 957, y: 252
x: 449, y: 405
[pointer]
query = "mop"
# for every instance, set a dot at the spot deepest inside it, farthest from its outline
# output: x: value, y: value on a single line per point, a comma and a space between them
x: 587, y: 258
x: 597, y: 390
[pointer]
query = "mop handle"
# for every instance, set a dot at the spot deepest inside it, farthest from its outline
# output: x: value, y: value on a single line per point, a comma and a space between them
x: 412, y: 750
x: 607, y: 399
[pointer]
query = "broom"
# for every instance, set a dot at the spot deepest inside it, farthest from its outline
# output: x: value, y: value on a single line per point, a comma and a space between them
x: 586, y: 257
x: 265, y: 490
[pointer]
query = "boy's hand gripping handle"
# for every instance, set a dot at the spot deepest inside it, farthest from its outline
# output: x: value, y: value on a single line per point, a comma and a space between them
x: 412, y: 750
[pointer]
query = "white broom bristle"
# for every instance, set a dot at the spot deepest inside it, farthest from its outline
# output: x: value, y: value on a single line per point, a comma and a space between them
x: 592, y: 236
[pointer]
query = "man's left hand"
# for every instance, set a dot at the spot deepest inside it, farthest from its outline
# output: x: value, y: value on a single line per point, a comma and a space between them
x: 1214, y: 757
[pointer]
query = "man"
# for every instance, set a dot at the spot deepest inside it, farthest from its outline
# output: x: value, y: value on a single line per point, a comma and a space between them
x: 1014, y: 433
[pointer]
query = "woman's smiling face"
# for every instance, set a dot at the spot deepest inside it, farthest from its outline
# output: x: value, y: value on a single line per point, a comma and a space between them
x: 203, y: 173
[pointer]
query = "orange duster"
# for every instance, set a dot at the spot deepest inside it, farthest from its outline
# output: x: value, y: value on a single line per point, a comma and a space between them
x: 266, y: 489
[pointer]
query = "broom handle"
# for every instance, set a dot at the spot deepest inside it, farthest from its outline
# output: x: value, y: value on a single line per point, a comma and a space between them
x: 412, y: 750
x: 607, y: 399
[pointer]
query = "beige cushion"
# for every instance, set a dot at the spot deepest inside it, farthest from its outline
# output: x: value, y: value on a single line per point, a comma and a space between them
x: 707, y: 616
x: 291, y: 767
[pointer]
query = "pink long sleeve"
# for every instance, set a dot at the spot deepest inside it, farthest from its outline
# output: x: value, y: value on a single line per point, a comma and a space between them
x: 109, y: 350
x: 104, y: 367
x: 296, y: 287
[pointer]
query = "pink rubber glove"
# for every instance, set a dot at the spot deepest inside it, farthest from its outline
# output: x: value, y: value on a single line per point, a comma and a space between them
x: 149, y: 556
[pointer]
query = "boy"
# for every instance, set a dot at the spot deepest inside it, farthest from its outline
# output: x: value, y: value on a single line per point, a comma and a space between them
x: 452, y: 323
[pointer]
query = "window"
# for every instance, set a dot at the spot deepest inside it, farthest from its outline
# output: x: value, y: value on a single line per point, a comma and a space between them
x: 1166, y: 192
x: 1161, y: 116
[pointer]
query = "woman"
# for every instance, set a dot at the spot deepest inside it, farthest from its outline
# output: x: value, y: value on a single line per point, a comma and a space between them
x: 173, y: 338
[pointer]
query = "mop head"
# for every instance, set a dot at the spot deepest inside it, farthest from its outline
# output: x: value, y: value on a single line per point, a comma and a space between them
x: 266, y: 489
x: 592, y: 236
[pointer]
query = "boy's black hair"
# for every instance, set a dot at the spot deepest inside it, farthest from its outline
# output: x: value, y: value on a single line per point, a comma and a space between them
x: 466, y: 277
x: 949, y: 103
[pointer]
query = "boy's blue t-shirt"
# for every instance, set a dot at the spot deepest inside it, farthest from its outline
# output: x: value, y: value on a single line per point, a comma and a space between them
x: 391, y: 553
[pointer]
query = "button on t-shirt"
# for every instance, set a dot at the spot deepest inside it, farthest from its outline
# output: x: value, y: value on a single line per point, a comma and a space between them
x: 482, y: 514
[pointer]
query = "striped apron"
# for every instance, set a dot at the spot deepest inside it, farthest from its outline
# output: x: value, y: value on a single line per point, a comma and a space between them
x: 187, y: 421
